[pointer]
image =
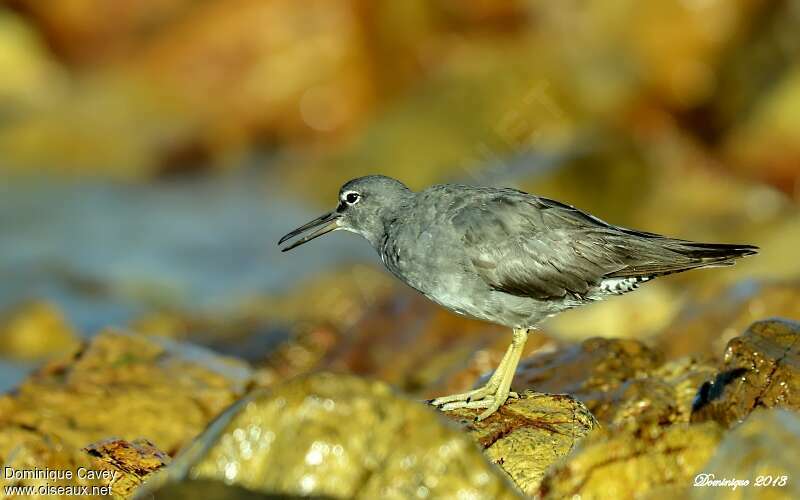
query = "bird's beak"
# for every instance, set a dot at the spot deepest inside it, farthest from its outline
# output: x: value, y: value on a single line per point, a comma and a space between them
x: 328, y: 222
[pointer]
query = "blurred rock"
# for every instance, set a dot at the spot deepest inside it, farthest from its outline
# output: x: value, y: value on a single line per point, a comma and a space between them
x: 528, y: 435
x: 358, y: 319
x: 277, y: 69
x: 90, y: 32
x: 131, y: 462
x: 665, y: 397
x: 682, y: 71
x: 708, y: 323
x: 119, y: 385
x: 29, y: 73
x: 339, y: 297
x: 764, y: 146
x: 761, y: 369
x: 632, y: 462
x: 35, y: 331
x: 337, y: 436
x: 105, y: 124
x: 763, y: 450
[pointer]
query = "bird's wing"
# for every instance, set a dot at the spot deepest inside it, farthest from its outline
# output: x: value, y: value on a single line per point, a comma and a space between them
x: 535, y: 247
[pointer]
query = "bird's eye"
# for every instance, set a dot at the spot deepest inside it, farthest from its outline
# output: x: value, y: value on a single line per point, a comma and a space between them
x: 351, y: 198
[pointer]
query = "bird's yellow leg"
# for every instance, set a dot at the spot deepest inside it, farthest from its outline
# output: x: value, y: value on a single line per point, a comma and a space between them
x: 496, y: 391
x: 490, y: 387
x: 503, y: 392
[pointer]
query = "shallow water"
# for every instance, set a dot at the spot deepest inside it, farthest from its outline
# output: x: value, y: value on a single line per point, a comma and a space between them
x: 105, y: 252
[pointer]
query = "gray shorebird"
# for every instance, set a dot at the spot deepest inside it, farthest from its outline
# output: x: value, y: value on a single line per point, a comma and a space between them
x: 503, y: 256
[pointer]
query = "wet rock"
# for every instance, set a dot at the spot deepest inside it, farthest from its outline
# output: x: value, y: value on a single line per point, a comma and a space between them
x: 590, y: 371
x: 620, y: 380
x: 632, y: 462
x: 761, y: 369
x: 763, y: 451
x: 337, y: 436
x: 528, y: 435
x: 709, y: 322
x: 359, y: 328
x: 217, y: 490
x: 131, y: 462
x: 663, y: 397
x: 35, y: 331
x: 684, y: 376
x: 120, y: 385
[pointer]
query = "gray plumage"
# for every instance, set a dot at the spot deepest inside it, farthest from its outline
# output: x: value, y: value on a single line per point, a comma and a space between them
x: 509, y: 257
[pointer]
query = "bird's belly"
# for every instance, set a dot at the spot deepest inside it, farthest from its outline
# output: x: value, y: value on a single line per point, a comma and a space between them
x: 474, y: 299
x: 442, y: 278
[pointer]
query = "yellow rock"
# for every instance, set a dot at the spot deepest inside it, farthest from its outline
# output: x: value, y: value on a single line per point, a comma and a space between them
x: 130, y: 462
x: 630, y: 463
x: 763, y: 451
x: 35, y: 331
x: 341, y: 437
x: 119, y: 385
x: 528, y: 435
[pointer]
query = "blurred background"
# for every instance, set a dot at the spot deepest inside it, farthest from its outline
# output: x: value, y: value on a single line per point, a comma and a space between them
x: 152, y: 152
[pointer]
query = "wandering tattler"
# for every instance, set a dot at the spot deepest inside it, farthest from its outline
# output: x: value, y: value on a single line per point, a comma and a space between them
x: 504, y: 256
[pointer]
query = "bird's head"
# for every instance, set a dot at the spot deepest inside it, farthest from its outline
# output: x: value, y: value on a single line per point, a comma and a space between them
x: 365, y: 205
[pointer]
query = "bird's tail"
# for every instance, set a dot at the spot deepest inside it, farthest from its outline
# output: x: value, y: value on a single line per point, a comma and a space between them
x: 713, y: 254
x: 680, y: 255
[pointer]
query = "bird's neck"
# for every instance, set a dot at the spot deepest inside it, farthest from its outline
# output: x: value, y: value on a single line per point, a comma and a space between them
x: 389, y: 218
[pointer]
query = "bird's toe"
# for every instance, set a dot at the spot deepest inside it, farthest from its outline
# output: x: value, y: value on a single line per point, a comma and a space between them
x: 475, y: 404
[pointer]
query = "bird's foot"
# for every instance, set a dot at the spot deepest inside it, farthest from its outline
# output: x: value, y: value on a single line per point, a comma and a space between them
x: 479, y: 398
x: 464, y: 397
x: 495, y: 393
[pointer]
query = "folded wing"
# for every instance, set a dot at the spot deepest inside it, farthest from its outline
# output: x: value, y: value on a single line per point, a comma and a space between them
x: 535, y: 247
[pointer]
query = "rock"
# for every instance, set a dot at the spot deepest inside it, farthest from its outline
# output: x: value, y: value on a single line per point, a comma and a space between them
x: 763, y: 451
x: 216, y: 490
x: 761, y: 369
x: 342, y: 324
x: 27, y: 64
x: 632, y: 462
x: 684, y: 376
x: 528, y: 435
x: 336, y: 436
x: 131, y: 462
x: 620, y: 380
x: 765, y: 145
x: 279, y: 69
x: 484, y: 361
x: 120, y: 385
x: 590, y: 371
x: 708, y: 323
x: 92, y: 32
x: 35, y: 331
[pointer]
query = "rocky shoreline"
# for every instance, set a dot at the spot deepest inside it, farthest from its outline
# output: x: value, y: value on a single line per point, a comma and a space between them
x: 601, y: 417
